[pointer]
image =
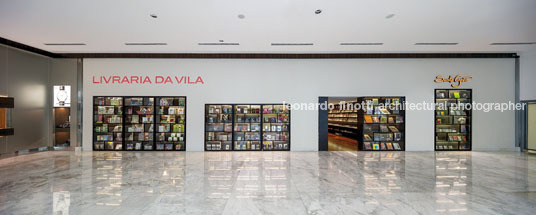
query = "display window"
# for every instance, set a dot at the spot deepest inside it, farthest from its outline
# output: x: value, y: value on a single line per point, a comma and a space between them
x: 139, y: 123
x: 247, y: 127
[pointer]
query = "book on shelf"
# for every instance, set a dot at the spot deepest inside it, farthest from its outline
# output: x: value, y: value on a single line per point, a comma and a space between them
x: 397, y: 136
x: 109, y: 145
x: 134, y: 119
x: 389, y: 146
x: 383, y: 128
x: 368, y: 146
x: 383, y: 119
x: 463, y: 129
x: 368, y: 119
x: 367, y: 137
x: 399, y: 119
x: 396, y: 146
x: 375, y: 101
x: 384, y: 111
x: 375, y: 146
x: 382, y: 146
x: 391, y: 120
x: 375, y: 119
x: 393, y: 129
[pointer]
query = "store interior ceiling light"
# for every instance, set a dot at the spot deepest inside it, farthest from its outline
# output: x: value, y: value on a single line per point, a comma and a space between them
x: 361, y: 44
x: 65, y: 44
x: 390, y: 16
x: 292, y: 44
x: 436, y: 44
x: 219, y: 44
x: 515, y: 43
x: 145, y: 44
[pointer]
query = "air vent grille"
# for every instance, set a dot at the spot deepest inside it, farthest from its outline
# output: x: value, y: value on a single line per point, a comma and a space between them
x: 145, y: 44
x: 292, y: 44
x: 65, y: 44
x: 515, y: 43
x: 361, y: 44
x: 218, y: 44
x: 436, y: 44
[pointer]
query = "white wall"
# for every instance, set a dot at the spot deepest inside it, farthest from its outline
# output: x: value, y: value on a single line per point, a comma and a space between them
x: 527, y: 70
x: 302, y: 80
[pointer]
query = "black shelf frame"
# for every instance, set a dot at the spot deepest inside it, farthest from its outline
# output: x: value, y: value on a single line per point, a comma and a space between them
x: 361, y: 123
x: 125, y: 108
x: 233, y: 121
x: 468, y: 124
x: 95, y: 134
x: 157, y: 121
x: 124, y: 115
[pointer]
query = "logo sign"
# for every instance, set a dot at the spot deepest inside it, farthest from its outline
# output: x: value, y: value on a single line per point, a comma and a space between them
x: 455, y: 82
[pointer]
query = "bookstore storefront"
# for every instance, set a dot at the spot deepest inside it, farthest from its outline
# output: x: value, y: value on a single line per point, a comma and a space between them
x: 238, y: 104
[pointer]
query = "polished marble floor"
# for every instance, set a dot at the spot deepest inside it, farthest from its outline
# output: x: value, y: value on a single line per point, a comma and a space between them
x: 65, y: 182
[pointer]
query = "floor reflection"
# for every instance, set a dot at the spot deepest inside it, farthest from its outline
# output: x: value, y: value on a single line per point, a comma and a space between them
x: 452, y: 181
x: 340, y: 182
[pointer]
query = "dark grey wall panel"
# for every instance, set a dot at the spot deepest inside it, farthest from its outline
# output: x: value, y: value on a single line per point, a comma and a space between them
x: 322, y: 126
x: 3, y: 89
x: 27, y: 77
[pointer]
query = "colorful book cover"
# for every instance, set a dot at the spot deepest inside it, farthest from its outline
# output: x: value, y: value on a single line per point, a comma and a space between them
x: 375, y: 146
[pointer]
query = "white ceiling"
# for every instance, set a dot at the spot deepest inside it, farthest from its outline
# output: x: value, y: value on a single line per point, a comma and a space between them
x: 105, y: 26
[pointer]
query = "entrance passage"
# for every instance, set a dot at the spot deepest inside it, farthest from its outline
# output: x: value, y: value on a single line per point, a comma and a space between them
x: 342, y: 125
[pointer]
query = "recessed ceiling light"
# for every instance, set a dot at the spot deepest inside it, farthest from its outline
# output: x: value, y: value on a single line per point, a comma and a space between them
x: 436, y: 44
x: 65, y: 44
x: 361, y: 44
x: 514, y: 43
x: 318, y: 11
x: 153, y: 15
x: 241, y: 16
x: 292, y: 44
x: 218, y: 44
x: 145, y: 44
x: 390, y: 16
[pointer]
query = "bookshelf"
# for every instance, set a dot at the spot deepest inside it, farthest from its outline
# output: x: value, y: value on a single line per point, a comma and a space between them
x: 108, y: 123
x: 381, y: 124
x: 170, y: 123
x: 276, y: 128
x: 247, y: 127
x: 453, y: 119
x: 139, y: 123
x: 343, y: 122
x: 218, y: 127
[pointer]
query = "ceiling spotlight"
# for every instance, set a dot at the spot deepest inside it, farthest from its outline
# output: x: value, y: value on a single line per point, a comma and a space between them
x: 153, y: 15
x: 221, y: 41
x: 241, y: 16
x: 318, y: 11
x: 390, y: 16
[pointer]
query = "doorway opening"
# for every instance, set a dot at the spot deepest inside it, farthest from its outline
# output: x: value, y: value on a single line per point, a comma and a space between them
x: 342, y: 125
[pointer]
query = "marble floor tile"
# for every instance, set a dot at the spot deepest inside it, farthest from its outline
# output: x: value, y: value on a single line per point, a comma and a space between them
x: 66, y: 182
